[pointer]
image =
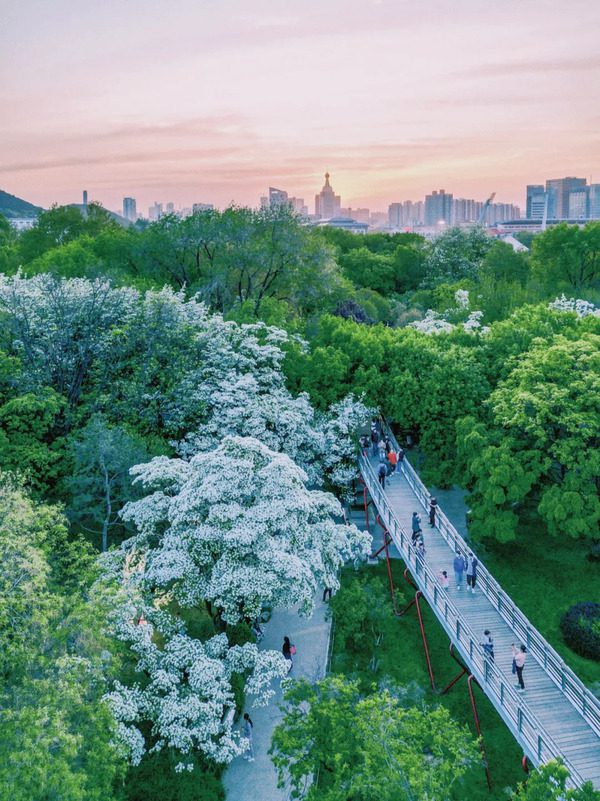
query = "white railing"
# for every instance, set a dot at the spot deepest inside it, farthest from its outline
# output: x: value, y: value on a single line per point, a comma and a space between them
x: 584, y: 701
x: 536, y: 742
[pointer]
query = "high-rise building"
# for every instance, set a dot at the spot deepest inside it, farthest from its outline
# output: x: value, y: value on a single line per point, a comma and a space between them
x: 559, y: 190
x: 438, y: 208
x: 327, y: 203
x: 277, y: 197
x: 129, y: 209
x: 155, y: 212
x: 85, y: 198
x: 578, y: 204
x: 395, y: 215
x: 170, y: 208
x: 536, y: 196
x: 594, y: 201
x: 298, y: 205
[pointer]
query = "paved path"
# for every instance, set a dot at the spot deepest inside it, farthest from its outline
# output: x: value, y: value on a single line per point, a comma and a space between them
x: 257, y: 781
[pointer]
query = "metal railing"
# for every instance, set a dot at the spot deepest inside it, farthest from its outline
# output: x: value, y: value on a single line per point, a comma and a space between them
x: 584, y: 701
x: 535, y: 740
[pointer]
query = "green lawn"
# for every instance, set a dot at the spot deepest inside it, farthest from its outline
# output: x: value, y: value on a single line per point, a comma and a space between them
x: 402, y: 661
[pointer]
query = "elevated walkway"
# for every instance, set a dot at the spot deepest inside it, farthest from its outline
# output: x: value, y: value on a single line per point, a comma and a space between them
x: 556, y: 716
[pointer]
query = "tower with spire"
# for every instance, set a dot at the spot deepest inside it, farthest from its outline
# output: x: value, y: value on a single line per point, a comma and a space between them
x: 327, y: 203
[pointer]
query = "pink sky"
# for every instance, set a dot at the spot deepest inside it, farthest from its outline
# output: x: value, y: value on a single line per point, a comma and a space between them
x: 216, y: 100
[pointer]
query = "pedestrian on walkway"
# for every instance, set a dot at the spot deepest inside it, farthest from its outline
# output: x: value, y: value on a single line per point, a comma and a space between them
x: 420, y: 552
x: 382, y: 451
x: 381, y: 474
x: 374, y: 440
x: 288, y: 651
x: 364, y: 444
x: 248, y: 726
x: 519, y: 663
x: 400, y: 455
x: 326, y: 594
x: 472, y: 563
x: 488, y: 645
x: 416, y: 527
x: 459, y: 566
x: 393, y: 460
x: 432, y: 510
x: 442, y: 577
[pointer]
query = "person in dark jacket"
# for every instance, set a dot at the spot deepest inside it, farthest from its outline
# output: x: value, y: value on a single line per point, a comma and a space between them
x: 416, y: 527
x: 381, y: 474
x: 472, y: 563
x: 432, y: 510
x: 459, y: 566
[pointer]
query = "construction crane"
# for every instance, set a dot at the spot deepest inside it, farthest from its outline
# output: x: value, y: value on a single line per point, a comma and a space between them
x: 486, y: 206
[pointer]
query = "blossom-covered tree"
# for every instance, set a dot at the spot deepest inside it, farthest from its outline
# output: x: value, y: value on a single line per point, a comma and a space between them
x: 236, y: 527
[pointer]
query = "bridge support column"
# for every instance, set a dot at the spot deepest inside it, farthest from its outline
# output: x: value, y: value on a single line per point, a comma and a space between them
x: 470, y: 681
x: 417, y: 605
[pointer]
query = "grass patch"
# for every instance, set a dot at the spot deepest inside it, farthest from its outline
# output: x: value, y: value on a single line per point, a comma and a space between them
x: 401, y: 660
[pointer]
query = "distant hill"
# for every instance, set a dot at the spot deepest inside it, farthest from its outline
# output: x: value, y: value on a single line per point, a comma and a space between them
x: 11, y: 207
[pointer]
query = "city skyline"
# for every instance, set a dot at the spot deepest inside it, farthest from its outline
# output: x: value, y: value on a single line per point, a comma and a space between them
x: 214, y: 104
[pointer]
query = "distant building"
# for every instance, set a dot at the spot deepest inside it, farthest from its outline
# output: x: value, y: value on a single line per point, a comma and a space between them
x: 559, y: 190
x: 360, y: 215
x: 298, y: 205
x: 129, y: 209
x: 155, y: 212
x: 535, y: 201
x: 438, y: 208
x: 395, y: 215
x: 327, y: 203
x: 578, y: 203
x: 170, y: 209
x: 85, y: 197
x: 594, y: 201
x: 346, y: 223
x: 277, y: 197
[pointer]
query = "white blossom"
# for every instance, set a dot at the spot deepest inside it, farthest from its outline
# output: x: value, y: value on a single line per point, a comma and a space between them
x: 582, y: 308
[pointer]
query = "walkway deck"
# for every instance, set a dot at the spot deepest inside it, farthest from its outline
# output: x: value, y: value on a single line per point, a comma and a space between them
x: 556, y: 715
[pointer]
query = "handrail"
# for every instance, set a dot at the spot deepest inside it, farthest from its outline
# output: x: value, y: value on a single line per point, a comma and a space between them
x: 581, y: 698
x: 511, y: 706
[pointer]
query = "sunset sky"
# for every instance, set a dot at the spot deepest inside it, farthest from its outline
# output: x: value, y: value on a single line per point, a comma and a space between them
x: 216, y: 100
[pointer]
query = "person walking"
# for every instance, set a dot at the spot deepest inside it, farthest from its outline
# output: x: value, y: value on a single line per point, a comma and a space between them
x: 420, y: 552
x: 518, y: 655
x: 442, y: 577
x: 432, y: 510
x: 382, y: 451
x: 400, y: 459
x: 472, y: 563
x: 381, y: 474
x: 488, y: 645
x: 393, y: 460
x: 459, y: 566
x: 288, y: 650
x: 416, y: 527
x: 248, y: 726
x: 326, y: 594
x: 374, y: 439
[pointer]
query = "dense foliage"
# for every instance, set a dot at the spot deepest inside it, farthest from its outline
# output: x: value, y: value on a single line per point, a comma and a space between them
x: 231, y: 359
x: 580, y: 626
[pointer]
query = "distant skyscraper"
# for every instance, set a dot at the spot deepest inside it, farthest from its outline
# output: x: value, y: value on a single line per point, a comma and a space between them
x: 298, y: 205
x: 129, y: 209
x: 155, y: 212
x: 395, y: 215
x: 559, y: 190
x: 170, y: 208
x: 578, y: 204
x: 85, y: 202
x: 594, y: 201
x: 438, y: 208
x: 198, y: 207
x: 277, y: 197
x: 327, y: 203
x: 536, y: 194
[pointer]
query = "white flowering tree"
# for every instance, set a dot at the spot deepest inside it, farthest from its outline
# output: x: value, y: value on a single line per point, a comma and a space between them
x: 241, y: 388
x: 340, y: 431
x: 186, y: 700
x: 580, y: 307
x: 236, y: 527
x: 233, y: 530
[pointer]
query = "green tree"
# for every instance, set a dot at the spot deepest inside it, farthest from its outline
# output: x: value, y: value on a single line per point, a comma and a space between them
x: 549, y: 783
x: 100, y: 484
x: 542, y: 445
x: 365, y: 747
x: 455, y: 255
x: 567, y: 257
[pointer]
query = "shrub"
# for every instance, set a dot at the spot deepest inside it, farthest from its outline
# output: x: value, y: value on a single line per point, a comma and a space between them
x: 580, y: 626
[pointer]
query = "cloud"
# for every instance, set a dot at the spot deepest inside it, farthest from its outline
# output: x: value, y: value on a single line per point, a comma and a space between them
x: 532, y: 67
